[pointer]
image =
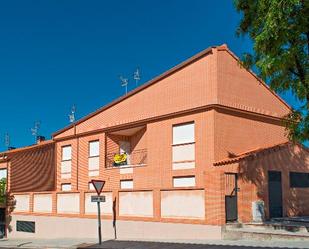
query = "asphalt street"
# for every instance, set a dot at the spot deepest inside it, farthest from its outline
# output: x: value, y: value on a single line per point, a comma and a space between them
x: 160, y: 245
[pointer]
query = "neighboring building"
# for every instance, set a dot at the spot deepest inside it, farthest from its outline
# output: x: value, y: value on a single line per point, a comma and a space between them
x: 200, y: 145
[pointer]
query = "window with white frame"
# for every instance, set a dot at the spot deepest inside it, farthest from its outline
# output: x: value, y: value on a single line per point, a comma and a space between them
x: 94, y: 158
x: 126, y: 184
x: 185, y: 181
x: 183, y: 147
x: 66, y: 161
x: 90, y: 186
x: 66, y: 187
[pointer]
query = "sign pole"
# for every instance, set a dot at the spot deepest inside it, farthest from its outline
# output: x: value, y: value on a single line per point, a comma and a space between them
x: 99, y: 223
x: 98, y: 186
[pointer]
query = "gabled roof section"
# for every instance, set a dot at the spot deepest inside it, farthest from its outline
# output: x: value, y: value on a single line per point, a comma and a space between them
x: 79, y: 126
x: 253, y: 153
x: 140, y: 88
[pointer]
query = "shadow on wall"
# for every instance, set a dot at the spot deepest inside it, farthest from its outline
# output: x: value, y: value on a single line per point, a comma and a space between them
x: 114, y: 218
x: 289, y: 158
x: 10, y: 206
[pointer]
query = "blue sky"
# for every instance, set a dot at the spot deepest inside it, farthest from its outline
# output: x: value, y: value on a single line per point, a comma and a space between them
x: 56, y: 53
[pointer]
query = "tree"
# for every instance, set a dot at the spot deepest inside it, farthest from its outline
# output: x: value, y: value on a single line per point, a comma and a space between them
x: 3, y: 191
x: 280, y: 33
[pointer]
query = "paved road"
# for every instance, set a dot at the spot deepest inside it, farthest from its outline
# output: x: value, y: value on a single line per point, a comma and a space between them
x: 160, y: 245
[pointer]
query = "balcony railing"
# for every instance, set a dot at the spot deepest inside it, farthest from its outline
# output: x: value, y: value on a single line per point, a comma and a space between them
x: 136, y: 158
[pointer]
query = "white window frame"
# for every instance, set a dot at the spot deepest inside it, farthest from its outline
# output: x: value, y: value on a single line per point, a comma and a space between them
x: 69, y: 185
x: 175, y: 126
x: 183, y: 164
x: 123, y: 186
x: 97, y: 142
x: 184, y: 181
x: 62, y: 153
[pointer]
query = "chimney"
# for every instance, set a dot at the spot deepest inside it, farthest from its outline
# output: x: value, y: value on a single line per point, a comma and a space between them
x: 40, y: 139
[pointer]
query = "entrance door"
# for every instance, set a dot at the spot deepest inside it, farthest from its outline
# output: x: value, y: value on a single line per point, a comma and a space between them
x: 231, y: 212
x: 275, y: 194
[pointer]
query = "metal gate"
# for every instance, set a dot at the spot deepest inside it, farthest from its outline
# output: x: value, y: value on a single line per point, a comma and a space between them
x: 231, y: 212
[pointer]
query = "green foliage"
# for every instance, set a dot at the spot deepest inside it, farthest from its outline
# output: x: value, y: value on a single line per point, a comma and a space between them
x: 3, y: 191
x: 280, y: 32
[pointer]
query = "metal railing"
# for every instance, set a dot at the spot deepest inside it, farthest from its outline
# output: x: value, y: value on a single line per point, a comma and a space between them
x: 135, y: 158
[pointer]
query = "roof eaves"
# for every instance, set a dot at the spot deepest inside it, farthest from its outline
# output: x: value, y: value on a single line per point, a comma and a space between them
x: 34, y: 146
x: 247, y: 154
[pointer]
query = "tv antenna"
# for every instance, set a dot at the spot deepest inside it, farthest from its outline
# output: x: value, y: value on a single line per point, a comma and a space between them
x: 137, y: 76
x: 72, y: 114
x: 35, y: 129
x: 7, y: 141
x: 124, y: 83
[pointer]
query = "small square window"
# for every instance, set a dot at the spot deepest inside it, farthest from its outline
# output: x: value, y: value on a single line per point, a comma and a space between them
x: 90, y: 186
x: 186, y: 181
x: 66, y: 187
x: 126, y: 184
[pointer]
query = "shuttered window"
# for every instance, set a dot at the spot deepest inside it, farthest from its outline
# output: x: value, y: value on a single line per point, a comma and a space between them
x: 183, y: 133
x: 183, y: 147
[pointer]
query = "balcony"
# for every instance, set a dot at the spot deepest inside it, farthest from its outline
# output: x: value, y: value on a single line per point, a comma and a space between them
x: 136, y: 158
x: 126, y: 148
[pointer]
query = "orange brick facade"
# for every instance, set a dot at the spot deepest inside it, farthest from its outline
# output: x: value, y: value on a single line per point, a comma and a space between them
x: 232, y: 111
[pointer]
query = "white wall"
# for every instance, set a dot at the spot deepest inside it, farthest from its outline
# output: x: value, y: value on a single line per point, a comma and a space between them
x: 22, y: 203
x: 106, y: 207
x: 186, y: 204
x: 42, y: 203
x: 68, y: 203
x: 136, y: 203
x: 82, y: 228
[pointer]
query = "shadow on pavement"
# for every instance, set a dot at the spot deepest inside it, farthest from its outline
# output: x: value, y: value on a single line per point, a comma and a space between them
x: 113, y: 244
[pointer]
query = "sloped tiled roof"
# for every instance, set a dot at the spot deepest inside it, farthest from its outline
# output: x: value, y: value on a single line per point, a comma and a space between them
x: 250, y: 153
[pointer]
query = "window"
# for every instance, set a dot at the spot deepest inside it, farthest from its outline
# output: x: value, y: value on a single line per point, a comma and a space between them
x: 25, y: 226
x: 93, y: 160
x: 94, y: 149
x: 66, y: 187
x: 3, y: 173
x: 90, y: 186
x: 183, y: 133
x: 186, y: 181
x: 299, y: 180
x: 66, y: 153
x: 183, y: 146
x: 66, y: 161
x: 126, y: 184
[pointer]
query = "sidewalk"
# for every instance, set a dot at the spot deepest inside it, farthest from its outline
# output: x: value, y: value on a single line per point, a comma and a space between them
x: 170, y: 244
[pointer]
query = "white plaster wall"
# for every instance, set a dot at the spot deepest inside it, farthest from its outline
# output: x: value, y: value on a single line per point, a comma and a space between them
x: 62, y: 227
x: 186, y: 204
x: 68, y: 203
x: 42, y: 203
x: 106, y: 207
x: 136, y: 203
x: 22, y: 203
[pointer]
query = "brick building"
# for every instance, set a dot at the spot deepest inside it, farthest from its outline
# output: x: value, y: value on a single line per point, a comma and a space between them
x: 198, y: 146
